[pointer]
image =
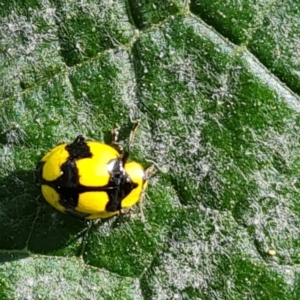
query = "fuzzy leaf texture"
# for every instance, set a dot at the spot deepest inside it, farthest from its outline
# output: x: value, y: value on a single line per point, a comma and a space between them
x: 216, y: 86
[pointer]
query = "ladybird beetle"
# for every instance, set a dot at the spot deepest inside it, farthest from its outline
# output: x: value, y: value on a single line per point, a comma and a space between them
x: 91, y: 179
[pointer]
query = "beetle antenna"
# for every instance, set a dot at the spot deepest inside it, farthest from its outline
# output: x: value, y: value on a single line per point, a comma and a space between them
x: 125, y: 156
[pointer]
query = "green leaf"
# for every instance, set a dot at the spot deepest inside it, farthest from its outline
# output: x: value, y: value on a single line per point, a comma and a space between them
x: 61, y: 278
x: 215, y: 84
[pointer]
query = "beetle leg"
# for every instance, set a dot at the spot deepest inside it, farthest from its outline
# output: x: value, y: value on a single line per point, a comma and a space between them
x: 115, y: 139
x: 115, y: 134
x: 117, y: 145
x: 149, y: 172
x: 90, y: 225
x: 116, y: 131
x: 133, y: 131
x: 125, y: 211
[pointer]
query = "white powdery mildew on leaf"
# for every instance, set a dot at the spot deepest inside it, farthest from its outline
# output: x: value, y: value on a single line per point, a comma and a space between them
x: 106, y: 20
x: 202, y: 257
x: 60, y: 278
x: 183, y: 145
x: 270, y: 217
x: 6, y: 160
x: 24, y: 32
x: 271, y: 213
x: 35, y: 46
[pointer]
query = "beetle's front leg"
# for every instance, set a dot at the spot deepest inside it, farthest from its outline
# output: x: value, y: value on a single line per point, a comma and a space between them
x: 115, y: 139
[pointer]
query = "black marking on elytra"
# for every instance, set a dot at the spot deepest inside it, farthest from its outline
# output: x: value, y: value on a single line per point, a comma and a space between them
x: 69, y: 188
x: 79, y: 149
x: 122, y: 186
x: 118, y: 194
x: 67, y: 184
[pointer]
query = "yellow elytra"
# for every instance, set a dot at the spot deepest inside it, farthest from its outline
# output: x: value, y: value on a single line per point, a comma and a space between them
x: 90, y: 179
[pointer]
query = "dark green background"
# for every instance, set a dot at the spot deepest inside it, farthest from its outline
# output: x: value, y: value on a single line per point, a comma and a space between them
x: 215, y: 84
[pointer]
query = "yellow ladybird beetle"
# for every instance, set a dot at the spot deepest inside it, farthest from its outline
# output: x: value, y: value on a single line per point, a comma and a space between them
x: 91, y: 179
